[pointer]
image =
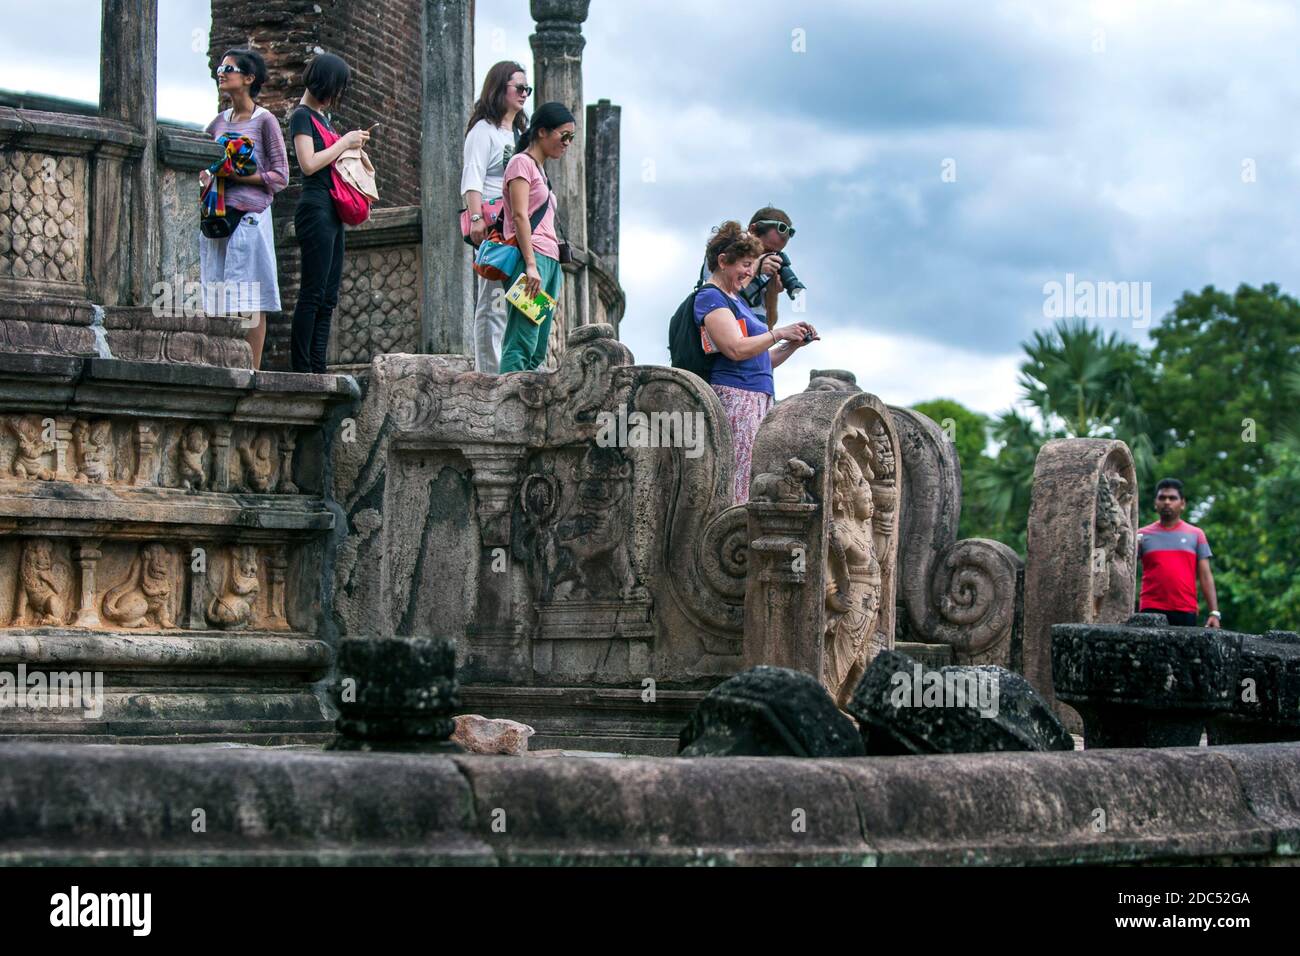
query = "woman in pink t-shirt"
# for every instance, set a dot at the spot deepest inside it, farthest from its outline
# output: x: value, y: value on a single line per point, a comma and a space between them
x: 552, y: 129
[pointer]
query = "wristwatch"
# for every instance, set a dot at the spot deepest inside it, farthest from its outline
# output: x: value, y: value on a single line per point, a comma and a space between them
x: 1218, y: 615
x: 477, y: 217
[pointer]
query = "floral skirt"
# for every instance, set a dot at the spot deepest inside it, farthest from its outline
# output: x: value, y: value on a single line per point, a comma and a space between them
x: 745, y: 412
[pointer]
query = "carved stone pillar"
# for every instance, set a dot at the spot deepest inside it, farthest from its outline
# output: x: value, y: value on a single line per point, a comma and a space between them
x: 221, y: 457
x: 195, y: 614
x: 288, y: 441
x: 277, y: 563
x: 497, y: 638
x: 65, y: 456
x: 447, y: 323
x: 146, y: 454
x: 782, y: 536
x: 128, y: 82
x: 86, y: 555
x: 557, y: 65
x: 603, y: 120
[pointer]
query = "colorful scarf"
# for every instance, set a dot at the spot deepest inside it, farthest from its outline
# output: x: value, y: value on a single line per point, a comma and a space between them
x: 237, y: 161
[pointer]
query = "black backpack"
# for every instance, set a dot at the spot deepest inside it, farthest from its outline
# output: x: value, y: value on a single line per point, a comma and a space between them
x: 684, y: 347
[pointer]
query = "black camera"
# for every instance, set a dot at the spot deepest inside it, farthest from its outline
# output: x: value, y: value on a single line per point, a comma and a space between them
x: 788, y: 279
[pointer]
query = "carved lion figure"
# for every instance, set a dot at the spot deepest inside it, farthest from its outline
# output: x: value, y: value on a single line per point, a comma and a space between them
x: 789, y: 485
x: 143, y: 598
x: 42, y: 585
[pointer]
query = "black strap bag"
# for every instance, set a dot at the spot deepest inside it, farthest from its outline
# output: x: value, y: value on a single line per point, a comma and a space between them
x: 685, y: 349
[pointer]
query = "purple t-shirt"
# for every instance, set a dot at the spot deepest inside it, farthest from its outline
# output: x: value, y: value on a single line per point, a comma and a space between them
x: 268, y: 150
x: 753, y: 374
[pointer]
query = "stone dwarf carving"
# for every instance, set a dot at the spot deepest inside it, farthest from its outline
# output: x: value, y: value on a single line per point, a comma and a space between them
x: 259, y: 463
x: 143, y: 598
x: 42, y: 586
x: 93, y: 444
x: 192, y: 465
x: 234, y: 606
x: 854, y: 583
x: 789, y: 485
x: 31, y: 447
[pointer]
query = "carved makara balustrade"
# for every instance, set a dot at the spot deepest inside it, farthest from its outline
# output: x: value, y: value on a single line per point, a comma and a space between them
x: 569, y: 554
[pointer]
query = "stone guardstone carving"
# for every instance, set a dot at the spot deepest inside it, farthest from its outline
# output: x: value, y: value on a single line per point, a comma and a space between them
x: 820, y: 595
x: 1081, y: 546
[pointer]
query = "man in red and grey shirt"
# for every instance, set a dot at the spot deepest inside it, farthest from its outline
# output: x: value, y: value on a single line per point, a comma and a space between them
x: 1175, y: 556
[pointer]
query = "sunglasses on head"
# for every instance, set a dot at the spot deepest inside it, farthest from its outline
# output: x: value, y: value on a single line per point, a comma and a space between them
x: 781, y: 227
x: 522, y: 89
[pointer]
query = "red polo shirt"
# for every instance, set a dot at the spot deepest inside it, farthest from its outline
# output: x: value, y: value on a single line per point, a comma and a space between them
x: 1169, y: 557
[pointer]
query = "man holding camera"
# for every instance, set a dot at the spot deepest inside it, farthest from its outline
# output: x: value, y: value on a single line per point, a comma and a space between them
x: 773, y: 228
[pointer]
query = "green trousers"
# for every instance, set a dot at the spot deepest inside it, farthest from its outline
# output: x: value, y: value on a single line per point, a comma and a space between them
x: 523, y: 348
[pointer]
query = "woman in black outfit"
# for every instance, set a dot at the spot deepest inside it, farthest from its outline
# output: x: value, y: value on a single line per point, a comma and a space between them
x: 317, y: 223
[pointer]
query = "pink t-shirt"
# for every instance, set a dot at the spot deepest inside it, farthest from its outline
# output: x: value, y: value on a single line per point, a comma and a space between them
x: 545, y: 242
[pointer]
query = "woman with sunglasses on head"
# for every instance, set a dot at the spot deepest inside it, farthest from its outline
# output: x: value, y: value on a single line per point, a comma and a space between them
x: 315, y: 220
x: 772, y: 227
x: 495, y: 125
x: 238, y: 272
x: 527, y: 191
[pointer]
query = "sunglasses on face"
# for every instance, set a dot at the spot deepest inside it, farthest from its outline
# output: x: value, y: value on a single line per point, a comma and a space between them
x: 522, y: 89
x: 567, y: 138
x: 227, y: 68
x: 781, y: 228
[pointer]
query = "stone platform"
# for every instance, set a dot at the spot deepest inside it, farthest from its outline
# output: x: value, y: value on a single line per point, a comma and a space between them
x: 77, y: 805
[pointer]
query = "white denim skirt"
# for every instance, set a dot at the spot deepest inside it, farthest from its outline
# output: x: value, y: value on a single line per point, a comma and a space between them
x: 238, y: 273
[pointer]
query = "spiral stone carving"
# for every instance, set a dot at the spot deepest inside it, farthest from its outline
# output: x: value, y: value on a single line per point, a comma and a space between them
x: 973, y: 592
x: 724, y: 553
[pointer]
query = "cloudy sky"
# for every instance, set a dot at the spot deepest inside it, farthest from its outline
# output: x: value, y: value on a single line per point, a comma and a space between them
x: 942, y: 159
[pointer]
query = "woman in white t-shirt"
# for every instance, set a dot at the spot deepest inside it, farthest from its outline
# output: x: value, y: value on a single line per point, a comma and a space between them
x: 495, y: 125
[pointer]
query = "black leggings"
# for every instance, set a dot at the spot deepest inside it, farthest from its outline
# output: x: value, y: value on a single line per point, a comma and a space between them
x: 320, y: 233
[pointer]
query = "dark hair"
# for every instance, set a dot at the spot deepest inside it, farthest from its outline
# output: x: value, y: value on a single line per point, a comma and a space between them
x: 769, y: 212
x: 491, y: 102
x: 1173, y: 483
x: 251, y: 63
x: 548, y: 116
x: 730, y: 240
x: 326, y: 78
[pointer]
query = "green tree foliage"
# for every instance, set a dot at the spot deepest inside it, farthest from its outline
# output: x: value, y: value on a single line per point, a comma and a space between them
x: 1214, y: 401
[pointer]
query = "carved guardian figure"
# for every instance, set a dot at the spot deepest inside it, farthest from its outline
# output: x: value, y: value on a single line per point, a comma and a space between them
x: 233, y: 608
x: 854, y: 584
x: 259, y: 463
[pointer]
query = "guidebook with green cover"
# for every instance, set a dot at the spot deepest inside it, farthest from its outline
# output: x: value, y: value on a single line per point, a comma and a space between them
x: 538, y: 309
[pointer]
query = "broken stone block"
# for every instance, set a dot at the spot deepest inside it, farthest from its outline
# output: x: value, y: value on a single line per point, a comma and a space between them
x: 769, y: 712
x: 904, y: 707
x: 1144, y: 683
x: 1266, y: 703
x: 482, y: 735
x: 396, y: 693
